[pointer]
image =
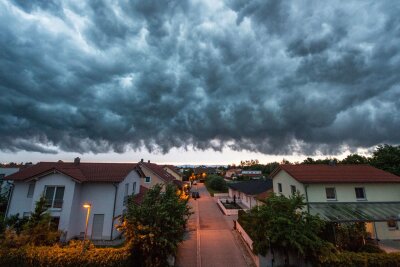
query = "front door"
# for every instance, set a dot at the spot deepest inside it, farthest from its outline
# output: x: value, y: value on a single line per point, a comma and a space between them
x: 97, y: 230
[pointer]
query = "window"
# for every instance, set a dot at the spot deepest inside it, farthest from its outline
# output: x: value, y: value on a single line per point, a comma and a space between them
x: 31, y: 189
x: 26, y: 214
x: 330, y: 193
x: 293, y: 189
x: 392, y: 224
x: 54, y: 196
x: 360, y: 193
x: 279, y: 187
x: 134, y: 188
x: 147, y: 179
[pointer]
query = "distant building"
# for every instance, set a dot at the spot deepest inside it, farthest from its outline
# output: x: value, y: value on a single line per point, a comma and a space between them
x: 254, y: 174
x: 232, y: 173
x: 250, y: 193
x: 5, y: 185
x: 171, y: 169
x: 346, y: 193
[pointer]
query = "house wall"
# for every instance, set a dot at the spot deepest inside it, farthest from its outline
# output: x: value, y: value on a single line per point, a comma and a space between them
x: 375, y: 192
x: 101, y: 197
x: 154, y: 178
x: 384, y: 232
x: 132, y: 177
x: 247, y: 200
x: 286, y: 180
x: 19, y: 202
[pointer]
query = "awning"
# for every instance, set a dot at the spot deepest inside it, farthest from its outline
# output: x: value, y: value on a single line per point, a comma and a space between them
x: 356, y: 212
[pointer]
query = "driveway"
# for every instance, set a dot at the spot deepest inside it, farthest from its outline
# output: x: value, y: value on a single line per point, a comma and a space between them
x: 210, y: 240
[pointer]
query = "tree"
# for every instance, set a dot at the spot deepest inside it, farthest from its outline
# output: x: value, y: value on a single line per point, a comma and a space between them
x: 155, y: 227
x: 36, y: 230
x: 355, y: 159
x: 283, y: 225
x: 387, y: 158
x: 216, y: 182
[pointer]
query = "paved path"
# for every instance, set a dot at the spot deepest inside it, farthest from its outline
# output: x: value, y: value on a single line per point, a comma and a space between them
x: 210, y: 241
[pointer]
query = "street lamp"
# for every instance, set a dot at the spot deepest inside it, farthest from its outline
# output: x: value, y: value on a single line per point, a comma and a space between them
x: 86, y: 206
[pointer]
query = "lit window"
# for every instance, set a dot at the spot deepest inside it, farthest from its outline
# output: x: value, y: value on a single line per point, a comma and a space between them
x: 330, y: 193
x: 54, y: 196
x: 360, y: 193
x: 31, y: 189
x: 147, y: 179
x: 293, y: 189
x: 392, y: 224
x: 279, y: 187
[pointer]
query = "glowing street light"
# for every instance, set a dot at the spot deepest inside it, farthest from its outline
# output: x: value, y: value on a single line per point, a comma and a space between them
x: 86, y: 206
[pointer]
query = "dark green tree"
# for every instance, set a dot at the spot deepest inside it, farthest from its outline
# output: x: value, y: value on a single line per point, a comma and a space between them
x: 283, y: 225
x: 217, y: 183
x: 355, y: 159
x: 155, y: 227
x: 387, y: 158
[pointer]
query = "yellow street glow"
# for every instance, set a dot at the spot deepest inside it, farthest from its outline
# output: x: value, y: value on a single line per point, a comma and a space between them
x: 86, y: 206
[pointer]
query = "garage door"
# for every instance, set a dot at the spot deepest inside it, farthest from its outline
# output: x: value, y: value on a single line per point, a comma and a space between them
x: 97, y: 230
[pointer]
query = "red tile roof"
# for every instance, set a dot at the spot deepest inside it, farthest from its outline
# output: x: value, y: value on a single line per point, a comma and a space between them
x: 173, y: 168
x: 82, y: 172
x: 138, y: 198
x: 158, y: 170
x: 341, y: 173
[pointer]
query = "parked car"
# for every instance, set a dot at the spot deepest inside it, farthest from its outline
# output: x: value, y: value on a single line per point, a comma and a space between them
x: 195, y: 195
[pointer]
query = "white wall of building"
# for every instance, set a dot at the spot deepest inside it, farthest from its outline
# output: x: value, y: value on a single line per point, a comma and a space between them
x: 19, y: 202
x: 286, y: 180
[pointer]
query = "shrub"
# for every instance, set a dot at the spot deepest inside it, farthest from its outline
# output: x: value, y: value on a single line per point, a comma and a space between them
x: 353, y: 259
x: 216, y: 183
x: 65, y: 257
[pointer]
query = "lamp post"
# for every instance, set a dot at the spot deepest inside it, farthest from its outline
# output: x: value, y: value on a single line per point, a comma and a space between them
x: 86, y: 206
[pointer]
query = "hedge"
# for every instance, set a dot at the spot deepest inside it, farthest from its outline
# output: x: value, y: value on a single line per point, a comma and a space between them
x: 353, y: 259
x: 64, y: 257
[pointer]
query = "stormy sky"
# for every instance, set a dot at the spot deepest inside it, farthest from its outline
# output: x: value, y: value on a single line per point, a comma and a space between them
x: 269, y: 77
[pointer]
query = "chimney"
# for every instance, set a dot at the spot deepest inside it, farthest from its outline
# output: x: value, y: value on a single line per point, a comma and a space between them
x: 148, y: 161
x: 141, y: 160
x: 77, y: 160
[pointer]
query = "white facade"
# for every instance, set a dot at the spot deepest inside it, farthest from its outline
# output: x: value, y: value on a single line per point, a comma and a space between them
x: 249, y: 201
x: 344, y: 192
x: 106, y: 199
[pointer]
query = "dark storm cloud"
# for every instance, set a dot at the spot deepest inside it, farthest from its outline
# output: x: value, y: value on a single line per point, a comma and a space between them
x: 269, y: 76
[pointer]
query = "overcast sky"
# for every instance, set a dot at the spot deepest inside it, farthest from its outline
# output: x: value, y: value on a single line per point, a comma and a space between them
x: 124, y: 80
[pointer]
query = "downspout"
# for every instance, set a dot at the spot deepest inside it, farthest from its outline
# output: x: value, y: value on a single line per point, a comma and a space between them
x: 112, y: 219
x: 308, y: 206
x: 10, y: 193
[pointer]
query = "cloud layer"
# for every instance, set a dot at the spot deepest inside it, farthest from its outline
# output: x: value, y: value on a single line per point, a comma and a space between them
x: 269, y: 76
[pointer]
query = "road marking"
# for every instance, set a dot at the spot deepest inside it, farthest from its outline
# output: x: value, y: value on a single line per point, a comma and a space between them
x: 198, y: 233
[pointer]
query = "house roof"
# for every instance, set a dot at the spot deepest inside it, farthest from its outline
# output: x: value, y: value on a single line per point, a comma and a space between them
x: 159, y: 171
x: 82, y: 172
x: 173, y: 168
x: 138, y: 198
x: 252, y: 187
x: 341, y: 173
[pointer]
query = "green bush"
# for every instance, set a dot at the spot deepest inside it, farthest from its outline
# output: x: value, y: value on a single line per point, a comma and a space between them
x: 353, y: 259
x: 216, y: 183
x: 64, y: 257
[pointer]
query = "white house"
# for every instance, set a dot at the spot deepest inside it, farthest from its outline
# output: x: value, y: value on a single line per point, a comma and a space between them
x: 248, y: 192
x: 346, y: 193
x: 67, y: 186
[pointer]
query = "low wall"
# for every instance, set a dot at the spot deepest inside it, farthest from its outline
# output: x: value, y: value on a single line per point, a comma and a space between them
x: 227, y: 211
x: 219, y: 195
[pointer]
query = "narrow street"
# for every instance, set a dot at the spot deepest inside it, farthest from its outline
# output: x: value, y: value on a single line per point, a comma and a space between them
x: 209, y: 241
